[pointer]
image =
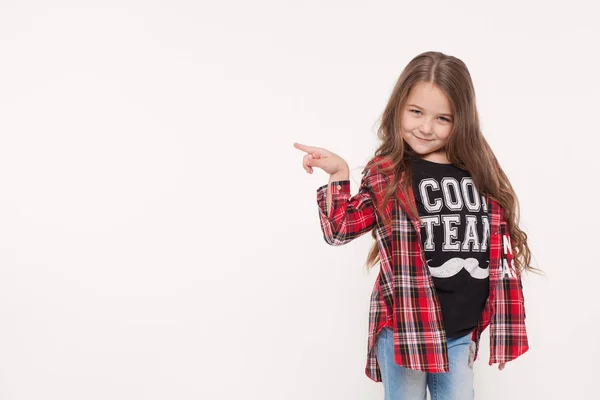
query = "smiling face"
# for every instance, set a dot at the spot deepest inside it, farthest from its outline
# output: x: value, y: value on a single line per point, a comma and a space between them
x: 427, y: 122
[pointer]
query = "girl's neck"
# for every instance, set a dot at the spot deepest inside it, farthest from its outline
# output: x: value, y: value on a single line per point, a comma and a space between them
x: 436, y: 157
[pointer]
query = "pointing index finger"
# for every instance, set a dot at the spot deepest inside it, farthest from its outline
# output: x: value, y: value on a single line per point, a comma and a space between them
x: 308, y: 149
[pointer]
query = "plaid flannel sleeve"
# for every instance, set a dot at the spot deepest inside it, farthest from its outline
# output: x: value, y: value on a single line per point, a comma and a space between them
x: 510, y: 336
x: 350, y: 216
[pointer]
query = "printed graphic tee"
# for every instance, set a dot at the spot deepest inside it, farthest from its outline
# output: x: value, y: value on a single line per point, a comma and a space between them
x: 455, y: 237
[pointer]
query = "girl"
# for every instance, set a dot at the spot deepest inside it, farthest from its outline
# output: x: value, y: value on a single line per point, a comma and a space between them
x: 445, y: 222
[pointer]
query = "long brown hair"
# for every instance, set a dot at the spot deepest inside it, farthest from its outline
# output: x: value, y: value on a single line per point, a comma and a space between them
x: 466, y: 148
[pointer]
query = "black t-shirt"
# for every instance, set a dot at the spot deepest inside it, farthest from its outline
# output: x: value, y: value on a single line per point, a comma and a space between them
x: 455, y: 239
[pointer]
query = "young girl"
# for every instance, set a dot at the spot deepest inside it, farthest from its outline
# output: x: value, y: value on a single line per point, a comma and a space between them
x: 445, y: 222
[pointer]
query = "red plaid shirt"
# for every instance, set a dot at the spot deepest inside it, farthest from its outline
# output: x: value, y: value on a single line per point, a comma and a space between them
x: 404, y: 296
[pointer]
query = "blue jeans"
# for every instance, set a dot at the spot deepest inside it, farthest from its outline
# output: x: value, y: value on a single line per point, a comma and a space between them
x: 400, y: 383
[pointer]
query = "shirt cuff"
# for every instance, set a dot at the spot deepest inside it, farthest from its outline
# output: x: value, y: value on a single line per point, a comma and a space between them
x: 340, y: 190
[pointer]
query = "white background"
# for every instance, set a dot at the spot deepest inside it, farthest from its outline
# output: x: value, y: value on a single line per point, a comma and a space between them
x: 159, y: 238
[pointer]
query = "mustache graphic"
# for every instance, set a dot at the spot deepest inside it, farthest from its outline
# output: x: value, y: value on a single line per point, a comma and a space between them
x: 454, y: 265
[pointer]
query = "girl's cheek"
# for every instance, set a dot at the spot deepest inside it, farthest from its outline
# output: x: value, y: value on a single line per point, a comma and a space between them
x: 406, y: 125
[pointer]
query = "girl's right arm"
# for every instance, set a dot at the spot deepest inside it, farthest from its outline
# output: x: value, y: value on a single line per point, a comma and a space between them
x: 346, y: 217
x: 343, y: 217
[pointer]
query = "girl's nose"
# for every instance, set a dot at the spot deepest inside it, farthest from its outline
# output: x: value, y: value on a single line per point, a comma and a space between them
x: 425, y: 128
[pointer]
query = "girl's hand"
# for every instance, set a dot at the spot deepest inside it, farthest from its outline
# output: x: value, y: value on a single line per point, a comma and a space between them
x: 501, y: 366
x: 321, y: 158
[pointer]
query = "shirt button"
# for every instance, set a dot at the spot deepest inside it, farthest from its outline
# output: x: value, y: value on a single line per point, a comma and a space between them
x: 339, y: 187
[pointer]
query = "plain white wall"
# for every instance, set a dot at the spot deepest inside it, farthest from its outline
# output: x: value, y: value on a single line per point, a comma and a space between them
x: 159, y: 238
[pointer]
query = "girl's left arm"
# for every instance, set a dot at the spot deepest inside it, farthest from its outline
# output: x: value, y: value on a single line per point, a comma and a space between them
x: 510, y: 336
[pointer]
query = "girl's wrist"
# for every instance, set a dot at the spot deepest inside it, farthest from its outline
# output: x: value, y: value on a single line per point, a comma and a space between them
x: 342, y: 175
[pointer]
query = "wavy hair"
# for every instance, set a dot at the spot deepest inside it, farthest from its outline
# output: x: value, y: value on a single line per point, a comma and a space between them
x: 466, y: 147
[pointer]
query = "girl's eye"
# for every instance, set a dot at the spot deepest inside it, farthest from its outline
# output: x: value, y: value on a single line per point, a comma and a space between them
x: 444, y: 118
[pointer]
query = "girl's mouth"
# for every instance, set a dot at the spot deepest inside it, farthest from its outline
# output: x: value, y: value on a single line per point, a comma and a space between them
x: 422, y: 140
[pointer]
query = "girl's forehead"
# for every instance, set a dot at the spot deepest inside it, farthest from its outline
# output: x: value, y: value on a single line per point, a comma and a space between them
x: 428, y: 97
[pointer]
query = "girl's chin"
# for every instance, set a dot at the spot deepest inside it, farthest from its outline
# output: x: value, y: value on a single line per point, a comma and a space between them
x: 423, y: 147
